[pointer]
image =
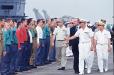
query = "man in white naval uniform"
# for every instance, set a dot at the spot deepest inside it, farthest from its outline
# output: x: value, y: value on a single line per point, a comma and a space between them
x: 85, y: 35
x: 102, y: 46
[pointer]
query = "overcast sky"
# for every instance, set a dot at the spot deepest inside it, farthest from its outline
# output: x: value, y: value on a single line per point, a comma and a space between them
x: 87, y: 9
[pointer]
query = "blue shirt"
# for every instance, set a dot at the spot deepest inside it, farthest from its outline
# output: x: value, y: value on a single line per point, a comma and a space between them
x: 13, y: 35
x: 6, y: 37
x: 46, y: 31
x: 33, y: 32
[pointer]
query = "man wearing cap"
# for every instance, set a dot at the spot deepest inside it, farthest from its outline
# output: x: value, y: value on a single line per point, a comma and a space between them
x: 85, y: 46
x: 60, y: 33
x: 102, y: 46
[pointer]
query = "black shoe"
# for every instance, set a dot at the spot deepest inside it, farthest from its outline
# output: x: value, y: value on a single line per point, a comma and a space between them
x: 40, y: 64
x: 62, y: 68
x: 51, y: 60
x: 32, y: 66
x: 18, y: 70
x: 13, y: 73
x: 76, y: 72
x: 47, y: 62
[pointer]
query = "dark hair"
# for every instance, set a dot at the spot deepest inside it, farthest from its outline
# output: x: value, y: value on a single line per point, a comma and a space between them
x: 55, y: 18
x: 18, y: 24
x: 29, y: 21
x: 52, y: 19
x: 40, y: 20
x: 22, y: 20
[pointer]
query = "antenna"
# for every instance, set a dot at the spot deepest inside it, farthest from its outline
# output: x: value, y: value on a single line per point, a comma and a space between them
x: 45, y: 14
x: 37, y: 14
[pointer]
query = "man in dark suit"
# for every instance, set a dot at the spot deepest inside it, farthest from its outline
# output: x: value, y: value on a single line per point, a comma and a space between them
x: 74, y: 44
x: 113, y: 39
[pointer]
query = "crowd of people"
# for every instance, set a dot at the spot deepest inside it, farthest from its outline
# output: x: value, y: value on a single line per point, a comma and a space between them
x: 28, y: 43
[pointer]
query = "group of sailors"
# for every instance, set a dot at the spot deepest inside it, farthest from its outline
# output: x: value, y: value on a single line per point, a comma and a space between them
x: 28, y: 43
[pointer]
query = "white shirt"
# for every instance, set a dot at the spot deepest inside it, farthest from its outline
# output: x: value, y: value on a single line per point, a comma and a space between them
x: 39, y: 33
x: 102, y: 37
x: 60, y: 33
x: 30, y: 34
x: 84, y: 35
x: 68, y: 31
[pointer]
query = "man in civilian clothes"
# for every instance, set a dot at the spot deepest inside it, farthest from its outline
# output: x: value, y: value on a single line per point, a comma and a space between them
x: 74, y: 44
x: 113, y: 39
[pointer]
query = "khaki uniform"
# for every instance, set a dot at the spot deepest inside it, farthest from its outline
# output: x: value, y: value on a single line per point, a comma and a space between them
x: 33, y: 51
x: 60, y: 34
x: 1, y: 43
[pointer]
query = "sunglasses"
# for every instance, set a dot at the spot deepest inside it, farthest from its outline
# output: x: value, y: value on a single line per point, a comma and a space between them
x: 81, y: 22
x: 71, y: 23
x: 100, y: 25
x: 59, y: 22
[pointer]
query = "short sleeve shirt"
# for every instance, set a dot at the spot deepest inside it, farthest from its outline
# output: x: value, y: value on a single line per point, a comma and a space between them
x: 84, y: 35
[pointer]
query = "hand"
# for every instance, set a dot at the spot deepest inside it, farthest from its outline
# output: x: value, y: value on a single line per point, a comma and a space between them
x: 19, y: 49
x: 67, y: 39
x: 94, y: 49
x: 91, y: 49
x: 4, y: 53
x: 0, y: 53
x: 38, y: 45
x: 109, y: 49
x: 52, y: 44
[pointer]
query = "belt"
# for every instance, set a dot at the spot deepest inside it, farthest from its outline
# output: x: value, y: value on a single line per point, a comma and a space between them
x: 21, y: 43
x: 60, y: 40
x: 101, y: 44
x: 84, y: 42
x: 41, y: 39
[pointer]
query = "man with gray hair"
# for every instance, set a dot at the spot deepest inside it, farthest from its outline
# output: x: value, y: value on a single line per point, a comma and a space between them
x: 60, y: 33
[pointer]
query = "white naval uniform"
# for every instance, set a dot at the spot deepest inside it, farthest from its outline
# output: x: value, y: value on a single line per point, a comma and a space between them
x: 85, y: 54
x: 102, y: 48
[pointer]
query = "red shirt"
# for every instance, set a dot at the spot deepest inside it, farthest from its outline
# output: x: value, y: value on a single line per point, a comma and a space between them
x: 24, y: 30
x: 20, y: 38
